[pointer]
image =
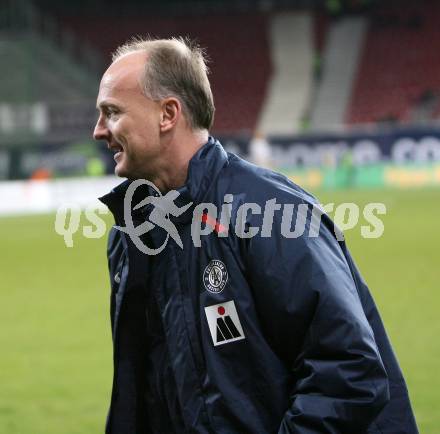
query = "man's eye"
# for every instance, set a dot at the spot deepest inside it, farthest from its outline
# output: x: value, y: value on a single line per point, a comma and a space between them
x: 112, y: 112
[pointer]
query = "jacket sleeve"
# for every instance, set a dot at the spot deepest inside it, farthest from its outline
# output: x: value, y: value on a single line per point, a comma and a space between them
x: 312, y: 316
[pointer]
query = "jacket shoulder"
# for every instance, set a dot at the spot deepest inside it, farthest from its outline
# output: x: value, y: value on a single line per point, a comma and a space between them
x: 260, y: 184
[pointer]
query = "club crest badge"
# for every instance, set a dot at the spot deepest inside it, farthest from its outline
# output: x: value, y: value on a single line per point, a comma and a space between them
x: 215, y: 276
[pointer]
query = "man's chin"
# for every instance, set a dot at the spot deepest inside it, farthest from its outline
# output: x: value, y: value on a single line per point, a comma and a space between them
x: 131, y: 174
x: 120, y: 171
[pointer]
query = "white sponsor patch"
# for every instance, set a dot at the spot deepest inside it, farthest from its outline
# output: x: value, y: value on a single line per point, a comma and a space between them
x: 224, y: 323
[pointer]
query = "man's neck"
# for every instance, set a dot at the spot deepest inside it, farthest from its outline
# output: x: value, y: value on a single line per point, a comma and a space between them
x: 174, y: 173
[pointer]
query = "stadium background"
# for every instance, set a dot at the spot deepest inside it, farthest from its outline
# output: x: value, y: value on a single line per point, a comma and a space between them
x: 342, y: 96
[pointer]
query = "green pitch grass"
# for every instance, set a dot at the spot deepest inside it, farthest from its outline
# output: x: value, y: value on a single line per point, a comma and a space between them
x: 55, y: 360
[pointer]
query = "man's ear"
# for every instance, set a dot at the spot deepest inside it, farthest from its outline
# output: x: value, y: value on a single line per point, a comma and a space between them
x: 171, y: 110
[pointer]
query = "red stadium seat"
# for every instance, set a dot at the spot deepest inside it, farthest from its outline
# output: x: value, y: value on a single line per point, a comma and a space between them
x: 400, y: 61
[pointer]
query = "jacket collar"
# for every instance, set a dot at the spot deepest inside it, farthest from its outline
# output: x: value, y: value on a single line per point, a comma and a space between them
x: 203, y: 169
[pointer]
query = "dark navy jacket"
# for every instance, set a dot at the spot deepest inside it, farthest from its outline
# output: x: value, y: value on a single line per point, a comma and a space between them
x: 260, y: 335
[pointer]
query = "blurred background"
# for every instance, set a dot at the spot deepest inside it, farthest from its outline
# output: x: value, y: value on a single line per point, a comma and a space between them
x: 342, y: 96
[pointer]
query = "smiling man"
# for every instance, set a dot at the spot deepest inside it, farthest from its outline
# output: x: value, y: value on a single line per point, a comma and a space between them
x: 241, y: 335
x: 141, y: 125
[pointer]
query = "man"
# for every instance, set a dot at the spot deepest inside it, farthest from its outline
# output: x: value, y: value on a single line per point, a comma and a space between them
x: 223, y: 330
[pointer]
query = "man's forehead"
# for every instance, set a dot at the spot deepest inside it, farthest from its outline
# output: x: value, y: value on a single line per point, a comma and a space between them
x: 124, y: 73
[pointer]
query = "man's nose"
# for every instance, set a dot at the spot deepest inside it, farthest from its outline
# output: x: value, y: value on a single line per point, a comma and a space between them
x: 101, y: 131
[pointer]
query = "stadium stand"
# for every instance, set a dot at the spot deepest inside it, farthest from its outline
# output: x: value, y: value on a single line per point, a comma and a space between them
x: 399, y: 65
x: 38, y: 66
x: 275, y: 71
x: 37, y: 72
x: 290, y: 86
x: 339, y: 59
x: 238, y: 49
x: 321, y: 23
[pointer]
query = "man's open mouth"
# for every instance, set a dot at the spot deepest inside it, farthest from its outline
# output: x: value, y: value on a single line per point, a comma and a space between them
x: 117, y: 150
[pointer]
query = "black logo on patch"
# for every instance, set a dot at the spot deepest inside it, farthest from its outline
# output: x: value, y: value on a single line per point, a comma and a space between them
x: 215, y: 276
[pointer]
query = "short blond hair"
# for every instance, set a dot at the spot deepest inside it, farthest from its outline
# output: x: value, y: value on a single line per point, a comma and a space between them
x: 176, y: 67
